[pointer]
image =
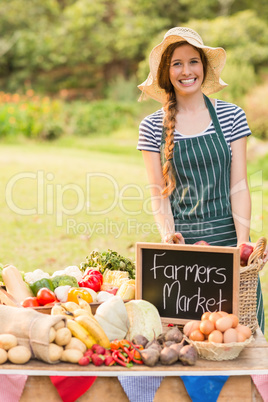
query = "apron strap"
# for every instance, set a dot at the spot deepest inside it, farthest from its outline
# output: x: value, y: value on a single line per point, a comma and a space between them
x: 213, y: 115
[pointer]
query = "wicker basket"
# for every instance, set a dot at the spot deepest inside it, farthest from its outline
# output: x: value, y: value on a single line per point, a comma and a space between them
x: 219, y: 351
x: 248, y: 286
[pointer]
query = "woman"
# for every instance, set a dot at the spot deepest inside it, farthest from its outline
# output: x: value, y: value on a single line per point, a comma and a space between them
x: 194, y: 148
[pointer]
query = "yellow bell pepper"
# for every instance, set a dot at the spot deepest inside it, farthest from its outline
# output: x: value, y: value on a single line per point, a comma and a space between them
x: 83, y: 293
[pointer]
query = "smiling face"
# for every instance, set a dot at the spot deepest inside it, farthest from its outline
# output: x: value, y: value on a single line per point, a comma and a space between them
x: 186, y: 72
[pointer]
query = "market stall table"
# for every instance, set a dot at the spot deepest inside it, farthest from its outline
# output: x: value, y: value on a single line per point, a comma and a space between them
x: 252, y: 360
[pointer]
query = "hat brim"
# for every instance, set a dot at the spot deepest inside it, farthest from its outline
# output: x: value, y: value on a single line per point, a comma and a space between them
x: 216, y: 58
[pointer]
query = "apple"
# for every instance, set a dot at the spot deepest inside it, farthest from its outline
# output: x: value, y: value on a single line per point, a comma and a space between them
x: 245, y: 251
x: 112, y: 289
x: 201, y: 243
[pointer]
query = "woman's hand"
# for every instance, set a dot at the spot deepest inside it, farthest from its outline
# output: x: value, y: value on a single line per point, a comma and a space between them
x: 265, y: 253
x: 174, y: 238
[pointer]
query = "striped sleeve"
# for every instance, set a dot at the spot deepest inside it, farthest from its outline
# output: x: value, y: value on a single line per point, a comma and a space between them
x: 240, y: 127
x: 233, y: 121
x: 150, y: 132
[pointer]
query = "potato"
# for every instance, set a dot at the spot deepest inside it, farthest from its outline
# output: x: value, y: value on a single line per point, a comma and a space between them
x: 52, y: 334
x: 3, y: 356
x: 71, y: 355
x: 54, y: 352
x: 59, y: 325
x: 19, y: 354
x: 75, y: 343
x: 63, y: 336
x: 8, y: 341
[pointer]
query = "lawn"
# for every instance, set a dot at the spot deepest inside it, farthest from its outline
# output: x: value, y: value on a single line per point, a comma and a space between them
x: 61, y: 200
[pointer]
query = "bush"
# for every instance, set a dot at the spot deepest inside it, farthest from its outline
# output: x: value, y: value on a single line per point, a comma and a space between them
x: 256, y: 106
x: 121, y: 89
x: 30, y: 115
x: 101, y: 117
x: 44, y: 118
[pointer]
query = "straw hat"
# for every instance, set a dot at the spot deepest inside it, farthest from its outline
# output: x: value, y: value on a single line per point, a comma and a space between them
x: 216, y: 58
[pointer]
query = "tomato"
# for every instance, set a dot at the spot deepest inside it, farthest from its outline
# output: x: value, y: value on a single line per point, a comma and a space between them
x: 45, y: 296
x: 83, y: 293
x: 30, y: 302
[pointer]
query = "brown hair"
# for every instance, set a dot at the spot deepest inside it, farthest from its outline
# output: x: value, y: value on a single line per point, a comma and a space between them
x: 171, y: 110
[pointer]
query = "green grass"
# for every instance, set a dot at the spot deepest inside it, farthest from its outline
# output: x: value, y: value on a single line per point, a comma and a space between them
x: 43, y: 223
x: 61, y: 200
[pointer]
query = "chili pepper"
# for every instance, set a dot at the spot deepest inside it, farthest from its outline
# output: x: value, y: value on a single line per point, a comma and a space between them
x: 137, y: 361
x: 133, y: 355
x: 140, y: 347
x: 128, y: 352
x: 117, y: 358
x: 121, y: 356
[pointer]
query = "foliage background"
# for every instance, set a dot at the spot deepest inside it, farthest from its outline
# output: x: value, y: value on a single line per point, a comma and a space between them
x: 93, y: 50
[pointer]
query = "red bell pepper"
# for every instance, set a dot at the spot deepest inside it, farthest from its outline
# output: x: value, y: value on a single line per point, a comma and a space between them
x: 92, y: 279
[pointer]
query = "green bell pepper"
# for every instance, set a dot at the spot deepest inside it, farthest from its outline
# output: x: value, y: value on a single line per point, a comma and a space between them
x: 42, y: 283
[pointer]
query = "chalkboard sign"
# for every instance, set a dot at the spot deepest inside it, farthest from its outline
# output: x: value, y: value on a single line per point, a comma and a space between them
x: 184, y: 281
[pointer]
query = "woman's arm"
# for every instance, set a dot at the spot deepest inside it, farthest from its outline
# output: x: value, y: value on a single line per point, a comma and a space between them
x: 240, y: 196
x: 160, y: 205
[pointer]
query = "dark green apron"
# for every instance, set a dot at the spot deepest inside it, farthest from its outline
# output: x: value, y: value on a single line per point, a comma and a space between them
x: 200, y: 203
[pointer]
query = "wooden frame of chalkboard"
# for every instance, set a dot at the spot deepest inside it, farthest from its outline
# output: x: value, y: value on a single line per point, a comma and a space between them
x: 184, y: 281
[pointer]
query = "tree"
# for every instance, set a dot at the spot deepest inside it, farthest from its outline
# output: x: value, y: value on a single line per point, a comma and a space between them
x: 65, y: 44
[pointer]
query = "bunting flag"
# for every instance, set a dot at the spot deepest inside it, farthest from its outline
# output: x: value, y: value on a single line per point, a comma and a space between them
x: 11, y: 387
x: 71, y: 388
x: 140, y: 388
x: 261, y: 382
x: 204, y: 388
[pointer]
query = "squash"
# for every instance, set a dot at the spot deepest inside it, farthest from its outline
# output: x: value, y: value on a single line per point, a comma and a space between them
x: 127, y: 290
x: 14, y: 283
x: 113, y: 318
x: 144, y: 320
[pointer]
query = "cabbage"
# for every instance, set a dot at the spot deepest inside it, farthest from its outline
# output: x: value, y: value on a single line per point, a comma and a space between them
x: 144, y: 320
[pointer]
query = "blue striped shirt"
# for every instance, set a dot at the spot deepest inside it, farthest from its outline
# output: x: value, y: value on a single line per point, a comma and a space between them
x: 231, y: 117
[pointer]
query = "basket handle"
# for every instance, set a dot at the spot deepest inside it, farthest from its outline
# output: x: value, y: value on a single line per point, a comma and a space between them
x: 258, y: 251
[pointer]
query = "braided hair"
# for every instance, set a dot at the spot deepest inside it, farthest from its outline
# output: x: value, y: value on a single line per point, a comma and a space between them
x: 170, y: 109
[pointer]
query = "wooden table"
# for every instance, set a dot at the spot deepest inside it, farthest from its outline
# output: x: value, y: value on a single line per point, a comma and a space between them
x: 252, y: 360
